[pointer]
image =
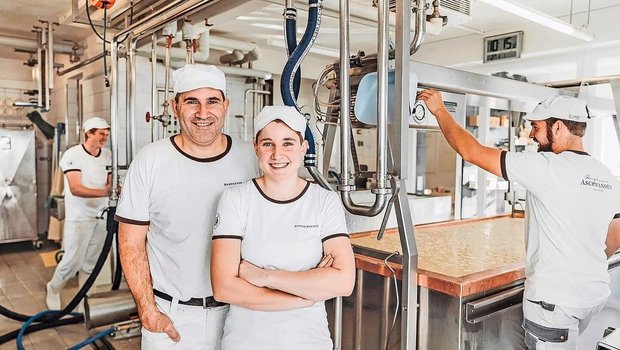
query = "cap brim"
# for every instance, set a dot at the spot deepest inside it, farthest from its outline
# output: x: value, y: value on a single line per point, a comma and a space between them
x: 534, y: 116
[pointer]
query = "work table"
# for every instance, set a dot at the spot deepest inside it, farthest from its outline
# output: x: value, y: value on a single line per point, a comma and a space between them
x: 458, y: 258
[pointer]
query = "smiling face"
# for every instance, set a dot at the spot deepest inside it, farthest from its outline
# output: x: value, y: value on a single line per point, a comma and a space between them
x: 201, y: 114
x: 279, y: 150
x: 97, y: 137
x: 542, y: 135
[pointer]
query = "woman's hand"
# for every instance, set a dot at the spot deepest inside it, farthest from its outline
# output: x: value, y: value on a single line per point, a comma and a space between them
x: 252, y: 273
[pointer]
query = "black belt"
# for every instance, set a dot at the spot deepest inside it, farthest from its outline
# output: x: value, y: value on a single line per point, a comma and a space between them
x: 546, y: 306
x: 204, y: 302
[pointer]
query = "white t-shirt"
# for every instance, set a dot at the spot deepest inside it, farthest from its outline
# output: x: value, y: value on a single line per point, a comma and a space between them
x: 94, y: 174
x: 279, y: 235
x: 572, y: 198
x: 176, y: 195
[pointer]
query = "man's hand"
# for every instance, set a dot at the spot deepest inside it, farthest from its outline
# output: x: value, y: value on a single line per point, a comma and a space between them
x: 433, y: 101
x: 157, y: 322
x: 252, y: 273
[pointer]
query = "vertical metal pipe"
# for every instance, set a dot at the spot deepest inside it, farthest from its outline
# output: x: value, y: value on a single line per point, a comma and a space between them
x: 382, y: 93
x: 359, y: 308
x: 39, y: 70
x: 385, y: 313
x: 166, y: 88
x: 345, y: 96
x: 131, y: 100
x: 338, y: 323
x: 114, y: 118
x: 399, y: 132
x: 49, y: 52
x: 154, y: 95
x: 128, y: 102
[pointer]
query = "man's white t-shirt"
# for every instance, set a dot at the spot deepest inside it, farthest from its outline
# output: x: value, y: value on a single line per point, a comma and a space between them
x: 279, y: 235
x: 572, y: 198
x: 94, y: 174
x: 176, y: 195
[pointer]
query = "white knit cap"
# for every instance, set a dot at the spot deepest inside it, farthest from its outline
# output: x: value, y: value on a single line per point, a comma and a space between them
x: 196, y: 76
x: 95, y: 123
x: 560, y: 107
x: 289, y: 115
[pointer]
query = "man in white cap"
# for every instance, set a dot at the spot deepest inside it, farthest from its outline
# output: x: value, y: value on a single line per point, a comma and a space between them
x: 87, y: 186
x: 166, y: 215
x: 572, y: 216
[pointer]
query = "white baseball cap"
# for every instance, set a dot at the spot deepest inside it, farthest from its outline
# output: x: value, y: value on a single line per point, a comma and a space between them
x: 289, y: 115
x: 196, y: 76
x: 560, y: 107
x: 95, y: 123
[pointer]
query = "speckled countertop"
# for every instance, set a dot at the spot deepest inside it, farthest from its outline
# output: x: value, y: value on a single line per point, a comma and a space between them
x: 459, y: 258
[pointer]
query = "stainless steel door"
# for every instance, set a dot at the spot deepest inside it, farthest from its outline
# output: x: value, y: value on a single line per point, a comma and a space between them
x: 18, y: 195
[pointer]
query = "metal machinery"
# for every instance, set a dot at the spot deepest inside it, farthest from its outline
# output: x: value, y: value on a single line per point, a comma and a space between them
x: 18, y: 185
x: 488, y: 318
x: 389, y: 181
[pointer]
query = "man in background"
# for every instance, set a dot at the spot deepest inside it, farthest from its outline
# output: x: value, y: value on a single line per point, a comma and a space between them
x: 87, y: 185
x: 572, y: 216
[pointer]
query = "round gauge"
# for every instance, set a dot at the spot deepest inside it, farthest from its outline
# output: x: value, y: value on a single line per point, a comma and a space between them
x: 419, y: 113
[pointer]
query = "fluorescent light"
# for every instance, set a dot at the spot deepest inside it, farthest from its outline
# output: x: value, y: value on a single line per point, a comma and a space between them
x: 319, y: 50
x: 540, y: 18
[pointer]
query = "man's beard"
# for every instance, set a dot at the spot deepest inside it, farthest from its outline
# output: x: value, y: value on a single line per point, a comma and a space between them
x: 548, y: 146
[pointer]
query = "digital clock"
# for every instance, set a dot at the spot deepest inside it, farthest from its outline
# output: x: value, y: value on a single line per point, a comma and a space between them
x: 504, y: 46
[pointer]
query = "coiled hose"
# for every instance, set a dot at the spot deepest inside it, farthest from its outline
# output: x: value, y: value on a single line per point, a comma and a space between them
x: 287, y: 84
x: 53, y: 319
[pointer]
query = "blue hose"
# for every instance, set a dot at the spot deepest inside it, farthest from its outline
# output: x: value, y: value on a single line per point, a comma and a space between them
x: 291, y: 43
x: 93, y: 339
x: 287, y: 84
x: 22, y: 331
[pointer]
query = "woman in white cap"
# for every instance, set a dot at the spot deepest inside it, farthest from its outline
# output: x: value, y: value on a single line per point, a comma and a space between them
x: 280, y: 246
x: 87, y: 186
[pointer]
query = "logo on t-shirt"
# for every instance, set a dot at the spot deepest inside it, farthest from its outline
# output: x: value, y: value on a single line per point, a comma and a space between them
x: 216, y: 222
x: 232, y: 183
x: 305, y: 226
x: 596, y: 184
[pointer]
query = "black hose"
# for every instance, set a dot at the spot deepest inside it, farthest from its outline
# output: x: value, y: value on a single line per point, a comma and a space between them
x: 82, y: 292
x: 40, y: 326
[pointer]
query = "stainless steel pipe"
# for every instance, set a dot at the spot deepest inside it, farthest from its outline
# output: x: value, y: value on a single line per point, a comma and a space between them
x: 106, y: 308
x: 114, y: 119
x: 346, y: 186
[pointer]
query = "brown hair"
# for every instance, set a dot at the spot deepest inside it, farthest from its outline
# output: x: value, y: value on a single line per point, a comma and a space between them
x: 575, y: 128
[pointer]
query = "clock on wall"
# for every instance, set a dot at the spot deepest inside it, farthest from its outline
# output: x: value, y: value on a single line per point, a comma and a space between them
x: 504, y: 46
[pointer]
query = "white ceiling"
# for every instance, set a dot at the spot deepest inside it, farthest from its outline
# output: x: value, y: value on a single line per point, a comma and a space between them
x: 261, y: 21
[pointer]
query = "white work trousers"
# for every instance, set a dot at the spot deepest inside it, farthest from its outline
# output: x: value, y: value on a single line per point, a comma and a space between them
x: 557, y: 329
x: 82, y: 242
x: 199, y: 328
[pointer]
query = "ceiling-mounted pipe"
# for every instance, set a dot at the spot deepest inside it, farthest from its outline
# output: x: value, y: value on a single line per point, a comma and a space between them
x: 420, y: 26
x: 201, y: 55
x: 173, y: 10
x: 231, y: 58
x: 32, y: 44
